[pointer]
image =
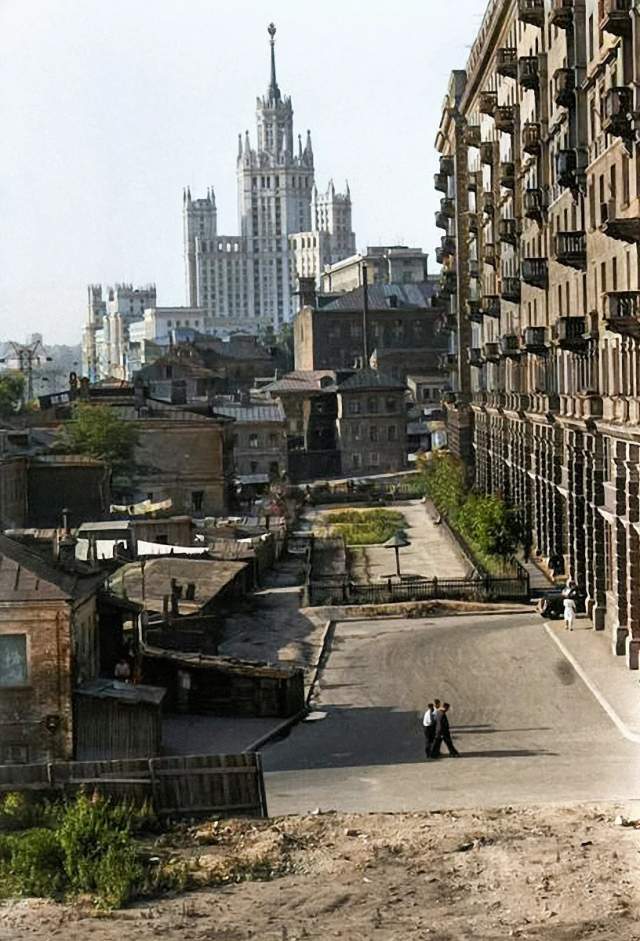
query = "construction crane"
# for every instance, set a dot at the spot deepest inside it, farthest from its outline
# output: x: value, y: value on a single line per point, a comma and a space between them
x: 28, y: 355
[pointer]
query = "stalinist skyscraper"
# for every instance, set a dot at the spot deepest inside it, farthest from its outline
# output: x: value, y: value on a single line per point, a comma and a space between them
x: 244, y: 281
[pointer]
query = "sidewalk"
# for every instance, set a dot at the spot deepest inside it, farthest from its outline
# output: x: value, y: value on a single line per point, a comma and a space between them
x: 616, y: 688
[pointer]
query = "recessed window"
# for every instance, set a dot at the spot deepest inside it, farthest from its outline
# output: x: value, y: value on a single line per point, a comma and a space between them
x: 13, y: 660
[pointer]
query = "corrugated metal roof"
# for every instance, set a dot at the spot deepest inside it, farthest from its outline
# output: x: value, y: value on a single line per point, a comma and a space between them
x: 251, y: 414
x: 410, y: 296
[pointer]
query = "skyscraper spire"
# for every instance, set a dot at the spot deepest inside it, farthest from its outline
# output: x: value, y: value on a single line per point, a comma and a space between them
x: 274, y: 91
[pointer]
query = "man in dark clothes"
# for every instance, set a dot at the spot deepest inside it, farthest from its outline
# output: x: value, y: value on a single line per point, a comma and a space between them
x: 443, y: 734
x: 429, y: 726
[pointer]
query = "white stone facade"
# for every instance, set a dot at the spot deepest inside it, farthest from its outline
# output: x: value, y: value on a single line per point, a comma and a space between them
x: 105, y: 341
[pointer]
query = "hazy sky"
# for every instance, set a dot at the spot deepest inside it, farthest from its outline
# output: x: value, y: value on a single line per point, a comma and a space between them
x: 107, y: 109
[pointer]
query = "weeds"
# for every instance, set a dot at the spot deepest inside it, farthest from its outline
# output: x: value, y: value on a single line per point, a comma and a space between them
x: 364, y: 527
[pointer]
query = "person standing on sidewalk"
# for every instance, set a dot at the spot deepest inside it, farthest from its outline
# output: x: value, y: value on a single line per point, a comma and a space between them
x: 569, y: 613
x: 429, y: 726
x: 443, y: 734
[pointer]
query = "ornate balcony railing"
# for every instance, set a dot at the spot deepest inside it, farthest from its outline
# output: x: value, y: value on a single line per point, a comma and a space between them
x: 532, y: 12
x: 448, y: 244
x: 510, y: 346
x: 448, y: 207
x: 534, y: 340
x: 488, y: 205
x: 510, y: 290
x: 571, y: 249
x: 508, y: 231
x: 447, y: 166
x: 472, y: 222
x: 564, y: 81
x: 535, y: 272
x: 441, y: 182
x: 617, y: 106
x: 507, y: 174
x: 487, y: 102
x: 507, y: 62
x: 474, y: 181
x: 474, y: 311
x: 491, y: 305
x: 491, y: 352
x: 616, y: 19
x: 622, y: 312
x: 566, y: 164
x: 475, y: 357
x: 531, y: 138
x: 442, y: 221
x: 472, y: 135
x: 448, y: 283
x: 533, y: 203
x: 562, y: 13
x: 489, y: 254
x: 486, y: 152
x: 529, y: 72
x: 474, y: 268
x: 505, y: 117
x: 623, y: 228
x: 569, y: 333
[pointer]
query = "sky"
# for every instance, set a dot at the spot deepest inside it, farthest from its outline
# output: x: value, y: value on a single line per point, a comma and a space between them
x: 108, y: 109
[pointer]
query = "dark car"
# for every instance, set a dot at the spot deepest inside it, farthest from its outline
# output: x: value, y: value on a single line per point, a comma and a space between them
x: 551, y: 604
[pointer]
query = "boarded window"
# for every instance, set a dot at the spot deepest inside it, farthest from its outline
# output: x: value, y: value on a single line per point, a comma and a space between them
x: 13, y: 660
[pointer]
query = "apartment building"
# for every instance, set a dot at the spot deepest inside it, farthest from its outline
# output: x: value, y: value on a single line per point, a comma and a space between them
x: 540, y: 181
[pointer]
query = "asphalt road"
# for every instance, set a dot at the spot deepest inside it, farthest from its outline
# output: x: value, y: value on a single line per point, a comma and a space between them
x: 528, y: 729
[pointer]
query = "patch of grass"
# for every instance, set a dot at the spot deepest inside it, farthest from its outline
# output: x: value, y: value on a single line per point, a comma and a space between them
x: 364, y: 527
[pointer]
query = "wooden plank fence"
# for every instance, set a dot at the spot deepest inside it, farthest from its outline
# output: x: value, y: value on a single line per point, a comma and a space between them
x: 227, y: 785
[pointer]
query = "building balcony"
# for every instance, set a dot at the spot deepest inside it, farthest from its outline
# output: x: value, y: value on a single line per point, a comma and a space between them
x: 507, y: 62
x: 529, y: 72
x: 508, y: 231
x: 489, y: 254
x: 622, y: 312
x: 532, y: 12
x: 474, y: 268
x: 533, y: 201
x: 505, y: 117
x: 534, y: 340
x: 510, y: 346
x: 564, y: 81
x: 566, y: 164
x: 531, y: 138
x: 436, y: 301
x: 507, y: 175
x: 447, y: 361
x: 442, y: 221
x: 441, y: 182
x: 447, y: 166
x: 570, y: 249
x: 617, y: 106
x: 448, y: 207
x: 510, y: 290
x: 474, y: 311
x: 624, y: 229
x: 448, y: 322
x: 491, y: 352
x: 475, y: 357
x: 488, y: 101
x: 488, y: 205
x: 616, y: 19
x: 440, y: 256
x: 448, y: 283
x: 518, y: 401
x: 561, y: 14
x: 472, y: 222
x: 474, y: 181
x: 491, y: 305
x: 486, y: 152
x: 472, y: 135
x: 534, y: 271
x: 448, y: 244
x: 569, y: 333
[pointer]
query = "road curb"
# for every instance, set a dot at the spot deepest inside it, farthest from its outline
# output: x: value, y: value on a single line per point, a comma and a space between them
x: 288, y: 723
x: 624, y: 729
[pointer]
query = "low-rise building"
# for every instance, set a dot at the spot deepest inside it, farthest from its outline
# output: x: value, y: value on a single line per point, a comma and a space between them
x: 372, y: 424
x: 386, y: 264
x: 259, y: 437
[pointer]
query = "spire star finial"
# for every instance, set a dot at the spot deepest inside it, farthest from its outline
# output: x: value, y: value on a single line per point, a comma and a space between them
x: 271, y: 29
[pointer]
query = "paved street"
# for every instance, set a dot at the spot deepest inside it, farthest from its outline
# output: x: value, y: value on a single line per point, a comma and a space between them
x: 528, y: 728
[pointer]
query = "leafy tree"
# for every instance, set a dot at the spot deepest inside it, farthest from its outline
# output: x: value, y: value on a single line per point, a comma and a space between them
x: 96, y: 431
x: 446, y: 481
x: 11, y: 393
x: 491, y: 525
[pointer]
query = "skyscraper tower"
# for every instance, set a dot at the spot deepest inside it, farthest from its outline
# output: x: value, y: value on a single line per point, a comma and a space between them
x: 245, y: 281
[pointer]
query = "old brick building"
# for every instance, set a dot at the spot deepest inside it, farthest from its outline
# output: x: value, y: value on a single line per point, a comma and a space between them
x: 372, y: 424
x: 402, y: 331
x: 540, y: 212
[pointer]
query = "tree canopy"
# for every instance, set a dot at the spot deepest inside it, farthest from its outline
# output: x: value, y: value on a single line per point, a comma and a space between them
x: 11, y: 393
x: 96, y: 431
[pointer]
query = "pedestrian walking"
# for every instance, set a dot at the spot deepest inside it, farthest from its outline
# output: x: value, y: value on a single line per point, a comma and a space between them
x: 429, y: 726
x: 569, y: 613
x: 443, y: 734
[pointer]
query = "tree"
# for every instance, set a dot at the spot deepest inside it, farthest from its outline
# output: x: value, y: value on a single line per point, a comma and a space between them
x: 11, y: 393
x: 96, y: 431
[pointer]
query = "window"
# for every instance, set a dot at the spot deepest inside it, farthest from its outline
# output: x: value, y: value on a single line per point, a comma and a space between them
x: 354, y: 408
x: 356, y: 432
x: 372, y: 403
x: 14, y: 754
x: 274, y: 469
x: 373, y: 433
x: 273, y: 440
x: 253, y: 440
x: 197, y: 497
x: 374, y: 458
x: 392, y: 433
x: 13, y: 660
x: 356, y: 461
x: 391, y: 404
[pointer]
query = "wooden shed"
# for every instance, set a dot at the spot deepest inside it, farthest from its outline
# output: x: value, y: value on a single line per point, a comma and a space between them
x: 117, y: 720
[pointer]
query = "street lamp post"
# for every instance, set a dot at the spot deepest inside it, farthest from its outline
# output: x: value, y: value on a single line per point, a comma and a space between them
x: 397, y: 542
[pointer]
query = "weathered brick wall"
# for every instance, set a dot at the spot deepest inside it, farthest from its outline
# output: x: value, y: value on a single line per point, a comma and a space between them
x: 13, y: 496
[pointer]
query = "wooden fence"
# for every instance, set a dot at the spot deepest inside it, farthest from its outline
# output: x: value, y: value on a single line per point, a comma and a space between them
x: 482, y: 588
x: 227, y: 785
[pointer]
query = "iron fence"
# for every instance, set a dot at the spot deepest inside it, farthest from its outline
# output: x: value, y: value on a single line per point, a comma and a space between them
x: 481, y: 588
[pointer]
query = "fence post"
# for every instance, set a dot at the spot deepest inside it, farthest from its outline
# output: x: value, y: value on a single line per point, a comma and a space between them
x: 261, y: 788
x: 154, y: 784
x: 435, y: 586
x: 51, y: 774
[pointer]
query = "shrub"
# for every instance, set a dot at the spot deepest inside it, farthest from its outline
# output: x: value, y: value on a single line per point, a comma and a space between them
x: 364, y: 527
x: 31, y: 863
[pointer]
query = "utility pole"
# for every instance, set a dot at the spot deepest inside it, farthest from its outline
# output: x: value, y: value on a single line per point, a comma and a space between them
x: 365, y: 315
x: 27, y: 355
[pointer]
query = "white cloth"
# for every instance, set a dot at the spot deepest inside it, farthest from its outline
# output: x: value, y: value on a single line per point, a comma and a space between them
x: 569, y: 609
x: 428, y: 718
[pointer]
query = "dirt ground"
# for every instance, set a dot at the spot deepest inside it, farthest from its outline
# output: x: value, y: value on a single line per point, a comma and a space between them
x: 555, y: 873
